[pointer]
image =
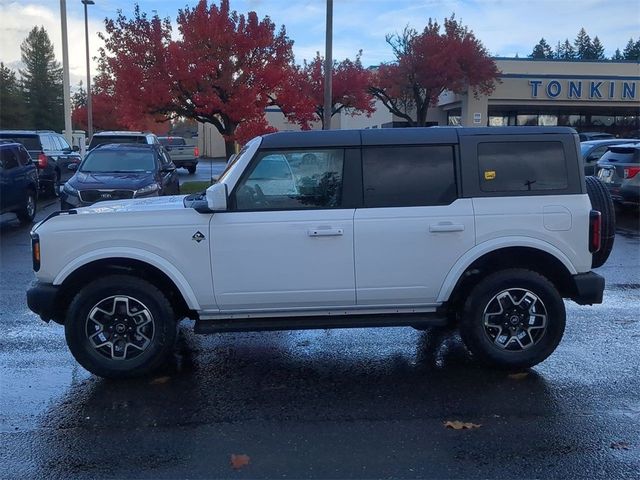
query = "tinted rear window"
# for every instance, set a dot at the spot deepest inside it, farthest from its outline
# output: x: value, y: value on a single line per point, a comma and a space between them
x: 101, y: 140
x: 30, y: 142
x: 522, y: 166
x: 177, y: 141
x: 622, y: 155
x: 408, y: 176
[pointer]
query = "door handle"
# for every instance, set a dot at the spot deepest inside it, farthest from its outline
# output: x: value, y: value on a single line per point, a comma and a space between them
x: 446, y: 227
x: 325, y: 232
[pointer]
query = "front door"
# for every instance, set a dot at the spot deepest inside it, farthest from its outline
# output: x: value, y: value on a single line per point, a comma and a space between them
x: 287, y: 241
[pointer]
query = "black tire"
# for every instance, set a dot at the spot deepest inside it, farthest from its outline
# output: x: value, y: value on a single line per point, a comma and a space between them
x: 601, y: 201
x: 191, y: 170
x: 485, y: 342
x: 156, y: 316
x: 28, y: 212
x: 53, y: 190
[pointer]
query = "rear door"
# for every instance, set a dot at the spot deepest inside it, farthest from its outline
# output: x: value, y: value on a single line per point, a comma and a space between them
x: 413, y: 227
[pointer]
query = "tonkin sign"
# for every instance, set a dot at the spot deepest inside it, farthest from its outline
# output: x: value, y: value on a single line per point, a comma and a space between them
x: 616, y: 90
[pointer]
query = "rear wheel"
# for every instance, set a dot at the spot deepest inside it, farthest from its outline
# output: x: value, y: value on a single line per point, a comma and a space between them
x: 513, y: 319
x: 54, y: 189
x: 601, y: 201
x: 120, y: 326
x: 191, y: 170
x: 28, y: 212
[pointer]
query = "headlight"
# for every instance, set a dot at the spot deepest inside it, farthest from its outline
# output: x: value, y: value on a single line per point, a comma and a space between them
x: 68, y: 188
x: 148, y: 190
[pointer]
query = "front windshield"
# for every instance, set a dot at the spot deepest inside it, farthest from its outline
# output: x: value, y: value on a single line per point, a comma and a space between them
x: 118, y: 161
x: 234, y: 159
x: 584, y: 148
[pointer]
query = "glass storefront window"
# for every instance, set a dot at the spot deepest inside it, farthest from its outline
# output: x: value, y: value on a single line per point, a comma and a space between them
x: 548, y: 120
x: 602, y: 120
x: 498, y: 121
x: 454, y: 120
x: 527, y: 120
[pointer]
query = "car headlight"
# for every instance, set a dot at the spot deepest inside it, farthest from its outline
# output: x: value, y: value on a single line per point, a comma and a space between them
x: 68, y: 188
x: 148, y: 190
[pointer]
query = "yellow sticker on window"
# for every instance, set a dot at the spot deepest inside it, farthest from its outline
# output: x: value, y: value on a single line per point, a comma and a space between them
x: 489, y: 174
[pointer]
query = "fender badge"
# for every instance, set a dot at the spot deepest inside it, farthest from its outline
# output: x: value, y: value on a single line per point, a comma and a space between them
x: 198, y: 236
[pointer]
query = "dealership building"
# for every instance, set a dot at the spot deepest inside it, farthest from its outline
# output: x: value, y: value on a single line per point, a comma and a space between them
x: 601, y: 96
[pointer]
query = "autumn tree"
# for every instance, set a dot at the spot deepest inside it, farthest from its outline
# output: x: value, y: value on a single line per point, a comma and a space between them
x: 12, y: 107
x: 542, y: 50
x: 219, y: 70
x: 42, y: 81
x: 301, y: 98
x: 430, y: 63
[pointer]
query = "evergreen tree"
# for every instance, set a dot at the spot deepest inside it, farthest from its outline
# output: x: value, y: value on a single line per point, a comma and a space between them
x: 79, y: 98
x: 12, y: 108
x: 565, y: 51
x: 632, y: 50
x: 598, y: 49
x: 42, y: 82
x: 584, y: 47
x: 618, y: 55
x: 542, y: 50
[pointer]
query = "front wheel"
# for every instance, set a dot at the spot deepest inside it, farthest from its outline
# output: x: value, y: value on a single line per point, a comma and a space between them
x: 120, y: 326
x: 513, y: 319
x: 27, y: 213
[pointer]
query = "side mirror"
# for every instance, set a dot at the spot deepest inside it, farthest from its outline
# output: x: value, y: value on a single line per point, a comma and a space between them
x: 167, y: 148
x: 75, y: 148
x: 169, y: 168
x: 73, y: 166
x: 217, y: 197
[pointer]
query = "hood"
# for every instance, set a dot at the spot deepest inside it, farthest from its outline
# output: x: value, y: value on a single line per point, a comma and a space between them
x: 109, y: 180
x: 173, y: 202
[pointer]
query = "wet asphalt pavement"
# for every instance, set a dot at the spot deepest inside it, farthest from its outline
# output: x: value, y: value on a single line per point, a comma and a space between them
x: 328, y: 403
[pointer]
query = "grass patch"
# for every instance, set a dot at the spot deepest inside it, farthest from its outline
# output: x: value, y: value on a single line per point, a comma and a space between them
x: 194, y: 187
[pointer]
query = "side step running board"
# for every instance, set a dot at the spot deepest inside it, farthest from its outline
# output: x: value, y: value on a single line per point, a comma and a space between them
x: 318, y: 323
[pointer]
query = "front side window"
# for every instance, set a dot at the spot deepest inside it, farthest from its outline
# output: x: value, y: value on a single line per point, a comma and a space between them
x: 8, y: 158
x: 522, y: 166
x: 408, y: 176
x: 293, y: 180
x: 63, y: 143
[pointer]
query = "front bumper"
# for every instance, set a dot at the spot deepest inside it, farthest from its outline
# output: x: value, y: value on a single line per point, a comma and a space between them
x: 42, y: 300
x: 588, y: 288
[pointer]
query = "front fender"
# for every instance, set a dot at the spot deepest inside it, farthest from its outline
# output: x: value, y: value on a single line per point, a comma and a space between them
x: 135, y: 254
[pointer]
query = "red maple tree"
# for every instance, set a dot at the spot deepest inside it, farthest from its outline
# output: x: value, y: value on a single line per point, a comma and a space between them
x: 302, y: 97
x: 220, y: 70
x: 430, y: 63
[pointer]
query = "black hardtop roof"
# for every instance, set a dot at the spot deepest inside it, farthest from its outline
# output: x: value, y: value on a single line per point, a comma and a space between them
x: 395, y: 136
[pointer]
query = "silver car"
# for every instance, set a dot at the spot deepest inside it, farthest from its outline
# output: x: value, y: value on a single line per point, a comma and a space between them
x: 619, y: 169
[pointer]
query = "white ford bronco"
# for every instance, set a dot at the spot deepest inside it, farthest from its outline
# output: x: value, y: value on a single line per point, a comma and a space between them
x: 487, y: 229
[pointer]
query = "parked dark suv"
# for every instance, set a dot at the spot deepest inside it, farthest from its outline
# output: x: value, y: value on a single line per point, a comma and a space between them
x: 18, y: 182
x: 121, y: 171
x: 619, y: 169
x: 51, y: 152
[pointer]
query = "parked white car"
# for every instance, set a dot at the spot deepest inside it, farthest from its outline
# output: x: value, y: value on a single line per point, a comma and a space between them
x: 486, y: 228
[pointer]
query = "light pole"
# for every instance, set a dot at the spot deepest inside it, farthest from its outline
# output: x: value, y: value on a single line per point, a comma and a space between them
x: 328, y: 67
x: 86, y: 37
x: 65, y: 73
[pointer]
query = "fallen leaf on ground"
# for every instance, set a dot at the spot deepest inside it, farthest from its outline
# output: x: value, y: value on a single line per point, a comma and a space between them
x: 518, y: 376
x: 239, y: 461
x: 458, y: 425
x: 159, y: 380
x: 620, y: 446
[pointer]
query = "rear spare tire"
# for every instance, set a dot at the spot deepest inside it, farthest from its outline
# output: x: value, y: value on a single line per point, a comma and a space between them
x: 601, y: 201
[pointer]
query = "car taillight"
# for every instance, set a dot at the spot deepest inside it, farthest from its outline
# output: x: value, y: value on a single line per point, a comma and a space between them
x: 196, y: 151
x: 631, y: 172
x: 595, y: 225
x: 35, y: 251
x: 43, y: 161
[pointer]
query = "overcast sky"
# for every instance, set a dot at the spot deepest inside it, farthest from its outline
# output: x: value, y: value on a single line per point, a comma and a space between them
x: 506, y: 27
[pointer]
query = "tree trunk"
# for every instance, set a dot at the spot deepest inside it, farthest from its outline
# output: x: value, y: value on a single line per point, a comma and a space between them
x: 229, y: 148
